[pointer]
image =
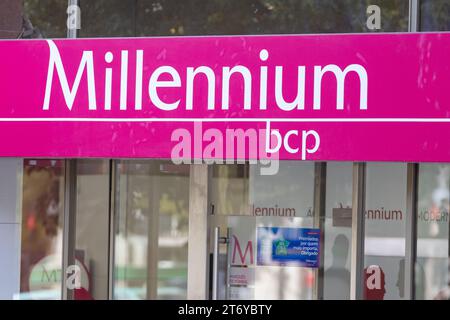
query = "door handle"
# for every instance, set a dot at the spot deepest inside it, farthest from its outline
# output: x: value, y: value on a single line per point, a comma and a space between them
x: 217, y: 241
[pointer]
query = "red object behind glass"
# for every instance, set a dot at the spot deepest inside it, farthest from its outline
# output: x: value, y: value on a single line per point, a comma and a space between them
x: 82, y: 294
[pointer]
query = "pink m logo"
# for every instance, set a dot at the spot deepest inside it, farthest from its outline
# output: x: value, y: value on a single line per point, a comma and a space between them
x: 248, y: 249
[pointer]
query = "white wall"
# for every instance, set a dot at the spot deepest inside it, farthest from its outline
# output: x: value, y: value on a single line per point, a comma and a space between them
x: 10, y: 226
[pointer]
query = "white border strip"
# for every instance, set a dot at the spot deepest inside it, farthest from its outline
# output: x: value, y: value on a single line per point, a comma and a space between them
x: 406, y: 120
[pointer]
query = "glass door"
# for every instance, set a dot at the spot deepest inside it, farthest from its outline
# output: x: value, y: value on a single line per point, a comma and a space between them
x: 150, y: 230
x: 285, y: 236
x: 272, y: 247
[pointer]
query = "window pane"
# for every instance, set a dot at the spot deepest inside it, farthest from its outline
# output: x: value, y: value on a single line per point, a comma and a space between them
x: 42, y: 224
x: 101, y: 18
x: 151, y: 239
x: 432, y: 269
x: 229, y: 190
x: 251, y: 207
x: 10, y: 19
x: 92, y: 228
x: 434, y: 15
x: 216, y: 17
x: 284, y: 200
x: 108, y: 18
x: 385, y: 225
x: 338, y: 230
x: 11, y: 172
x: 44, y: 19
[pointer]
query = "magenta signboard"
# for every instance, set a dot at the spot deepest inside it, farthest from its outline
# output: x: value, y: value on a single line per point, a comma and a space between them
x: 378, y: 97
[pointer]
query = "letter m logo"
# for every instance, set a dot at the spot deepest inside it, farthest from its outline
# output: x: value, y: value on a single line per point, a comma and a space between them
x: 46, y: 277
x: 243, y: 256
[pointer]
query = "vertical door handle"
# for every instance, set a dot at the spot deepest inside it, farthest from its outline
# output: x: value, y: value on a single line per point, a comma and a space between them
x: 215, y: 281
x: 215, y: 284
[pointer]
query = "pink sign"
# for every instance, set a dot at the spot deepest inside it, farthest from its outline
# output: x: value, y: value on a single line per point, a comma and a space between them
x: 377, y: 97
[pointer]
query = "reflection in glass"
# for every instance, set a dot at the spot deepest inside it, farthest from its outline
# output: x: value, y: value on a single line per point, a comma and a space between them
x: 385, y: 223
x: 432, y: 267
x: 246, y: 203
x: 152, y: 230
x: 434, y: 15
x: 92, y: 228
x: 338, y: 231
x: 44, y: 19
x: 121, y: 18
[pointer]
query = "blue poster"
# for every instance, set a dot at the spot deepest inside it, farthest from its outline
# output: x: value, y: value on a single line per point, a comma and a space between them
x: 288, y: 247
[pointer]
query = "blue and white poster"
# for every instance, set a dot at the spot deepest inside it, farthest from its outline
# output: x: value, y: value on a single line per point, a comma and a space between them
x: 288, y: 247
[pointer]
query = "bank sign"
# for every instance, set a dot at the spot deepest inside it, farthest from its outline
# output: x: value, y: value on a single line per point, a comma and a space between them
x: 377, y: 97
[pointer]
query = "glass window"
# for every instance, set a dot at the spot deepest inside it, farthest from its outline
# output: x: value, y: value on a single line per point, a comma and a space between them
x: 101, y: 18
x: 434, y: 15
x: 44, y: 19
x: 385, y: 223
x: 92, y: 228
x: 11, y: 172
x: 151, y: 238
x: 108, y: 18
x: 432, y: 267
x: 42, y: 227
x: 229, y: 190
x: 251, y: 207
x: 10, y: 19
x: 282, y: 200
x: 338, y: 230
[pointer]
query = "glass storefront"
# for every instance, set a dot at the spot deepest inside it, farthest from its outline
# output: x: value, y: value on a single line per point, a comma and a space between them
x: 130, y: 226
